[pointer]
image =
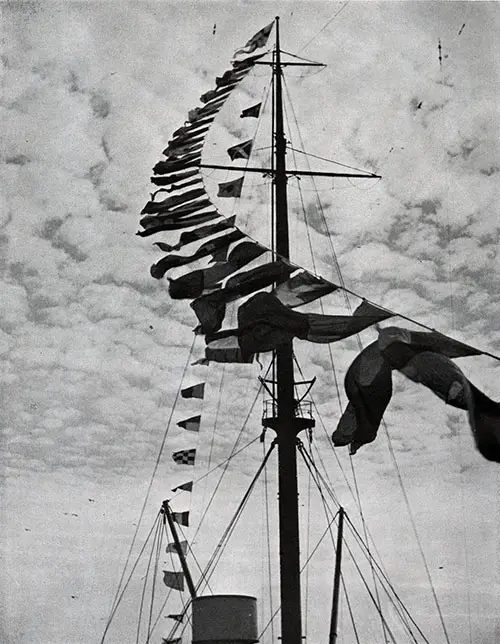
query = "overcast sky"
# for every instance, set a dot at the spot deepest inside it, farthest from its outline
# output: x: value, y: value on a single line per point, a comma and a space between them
x: 93, y: 351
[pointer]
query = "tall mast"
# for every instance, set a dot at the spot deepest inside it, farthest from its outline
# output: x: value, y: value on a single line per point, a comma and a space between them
x: 286, y: 425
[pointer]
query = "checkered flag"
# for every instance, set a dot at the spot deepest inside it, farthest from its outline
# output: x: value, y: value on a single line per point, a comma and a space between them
x: 185, y: 456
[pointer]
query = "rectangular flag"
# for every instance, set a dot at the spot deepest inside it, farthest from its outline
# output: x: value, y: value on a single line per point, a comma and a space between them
x: 190, y: 424
x: 241, y: 150
x: 171, y: 547
x: 257, y: 41
x: 173, y: 580
x: 176, y: 640
x: 252, y: 111
x: 226, y: 349
x: 185, y: 456
x: 230, y: 188
x: 182, y: 518
x: 196, y: 391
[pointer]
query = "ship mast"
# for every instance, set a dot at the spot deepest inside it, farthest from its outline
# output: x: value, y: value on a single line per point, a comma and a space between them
x: 284, y: 415
x: 286, y: 419
x: 287, y: 427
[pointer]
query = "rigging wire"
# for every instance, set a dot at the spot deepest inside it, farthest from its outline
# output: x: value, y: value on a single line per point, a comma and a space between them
x: 315, y: 156
x: 318, y: 478
x: 119, y: 596
x: 155, y: 469
x: 325, y: 26
x: 268, y: 531
x: 384, y: 576
x: 155, y: 576
x: 215, y: 558
x: 226, y: 463
x: 329, y: 346
x: 143, y: 594
x: 415, y: 532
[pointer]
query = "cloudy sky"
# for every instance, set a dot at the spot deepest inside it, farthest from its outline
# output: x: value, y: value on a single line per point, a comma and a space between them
x: 93, y: 351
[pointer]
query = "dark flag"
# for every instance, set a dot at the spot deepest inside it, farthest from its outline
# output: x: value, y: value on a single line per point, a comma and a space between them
x: 264, y: 324
x: 173, y: 580
x: 185, y: 456
x: 214, y: 94
x: 368, y: 385
x: 158, y: 224
x: 424, y: 358
x: 190, y: 424
x: 257, y: 41
x: 231, y: 188
x: 178, y: 617
x: 186, y: 487
x: 168, y: 204
x: 176, y: 640
x: 302, y: 288
x: 446, y: 380
x: 171, y: 547
x: 196, y: 391
x: 159, y: 269
x: 182, y: 518
x: 203, y: 281
x: 210, y: 309
x: 175, y: 165
x: 253, y: 111
x: 240, y: 151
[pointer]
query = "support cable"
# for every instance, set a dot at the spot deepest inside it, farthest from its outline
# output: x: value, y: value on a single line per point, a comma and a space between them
x: 155, y: 576
x: 325, y: 26
x: 386, y: 579
x: 146, y: 576
x: 215, y: 558
x: 150, y: 485
x: 119, y: 596
x: 268, y: 531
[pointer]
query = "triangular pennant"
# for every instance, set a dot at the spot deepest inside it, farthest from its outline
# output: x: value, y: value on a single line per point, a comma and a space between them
x: 177, y: 616
x: 230, y: 188
x: 176, y: 640
x: 251, y: 112
x: 190, y: 424
x: 196, y: 391
x: 240, y: 151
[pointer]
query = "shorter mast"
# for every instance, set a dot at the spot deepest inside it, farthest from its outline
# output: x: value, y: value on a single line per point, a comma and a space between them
x: 336, y: 579
x: 185, y: 569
